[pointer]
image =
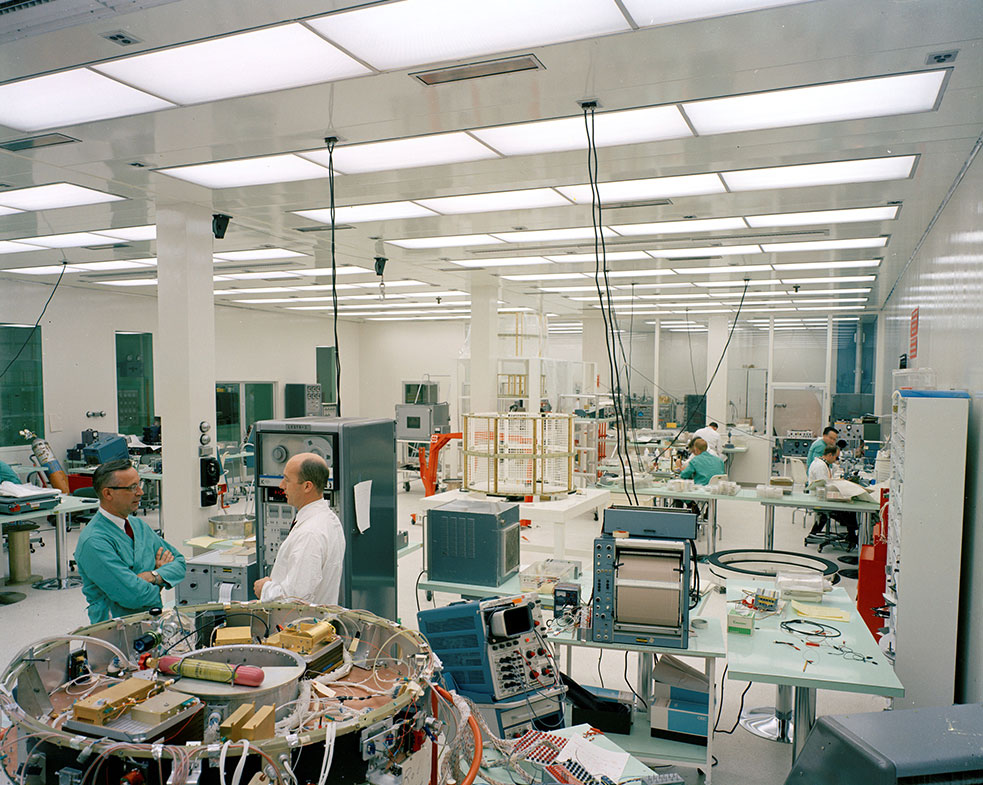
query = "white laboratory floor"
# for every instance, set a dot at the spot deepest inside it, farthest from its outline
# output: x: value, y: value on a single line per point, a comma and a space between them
x: 743, y: 759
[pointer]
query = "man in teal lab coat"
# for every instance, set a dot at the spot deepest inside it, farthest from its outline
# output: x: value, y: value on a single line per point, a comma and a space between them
x: 7, y: 474
x: 124, y: 564
x: 816, y: 449
x: 703, y: 465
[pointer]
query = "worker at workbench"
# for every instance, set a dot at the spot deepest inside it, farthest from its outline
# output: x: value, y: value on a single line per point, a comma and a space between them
x: 124, y: 563
x: 703, y: 465
x: 828, y: 439
x: 7, y: 474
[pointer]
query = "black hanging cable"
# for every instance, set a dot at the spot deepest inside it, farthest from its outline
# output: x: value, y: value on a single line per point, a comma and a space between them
x: 713, y: 376
x: 607, y: 315
x: 331, y: 141
x: 34, y: 329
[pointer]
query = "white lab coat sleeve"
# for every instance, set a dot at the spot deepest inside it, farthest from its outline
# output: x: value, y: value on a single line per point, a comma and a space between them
x: 818, y: 470
x: 298, y: 568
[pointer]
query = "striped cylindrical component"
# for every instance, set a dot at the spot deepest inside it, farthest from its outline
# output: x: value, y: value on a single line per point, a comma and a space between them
x: 245, y: 675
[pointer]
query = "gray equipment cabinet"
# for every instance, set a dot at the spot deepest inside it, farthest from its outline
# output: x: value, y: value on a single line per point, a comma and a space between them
x: 356, y: 450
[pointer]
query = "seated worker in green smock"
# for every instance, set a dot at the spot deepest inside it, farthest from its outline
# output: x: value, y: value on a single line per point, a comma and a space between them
x: 7, y: 474
x: 124, y: 564
x: 703, y: 465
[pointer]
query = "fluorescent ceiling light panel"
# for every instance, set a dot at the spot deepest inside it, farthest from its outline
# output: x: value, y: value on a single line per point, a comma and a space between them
x: 119, y: 264
x: 454, y: 241
x: 503, y: 261
x: 611, y: 256
x: 827, y: 265
x: 270, y: 275
x: 16, y: 246
x: 762, y: 282
x: 697, y: 296
x: 54, y: 196
x: 259, y: 61
x: 394, y: 285
x: 345, y: 269
x: 133, y: 233
x: 709, y: 250
x: 131, y: 282
x: 864, y: 170
x: 852, y: 100
x: 808, y: 292
x: 650, y: 188
x: 392, y: 36
x: 361, y: 213
x: 565, y: 289
x: 527, y: 199
x: 630, y: 126
x: 673, y: 285
x: 633, y: 273
x: 744, y: 268
x: 552, y: 235
x: 545, y: 277
x: 249, y: 171
x: 69, y: 98
x: 258, y: 290
x: 834, y: 308
x: 408, y: 153
x: 257, y: 254
x: 818, y: 217
x: 831, y: 279
x: 834, y: 300
x: 50, y: 269
x: 826, y: 245
x: 71, y: 240
x: 651, y: 13
x: 680, y: 227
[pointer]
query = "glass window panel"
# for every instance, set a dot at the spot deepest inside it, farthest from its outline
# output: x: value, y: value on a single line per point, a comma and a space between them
x: 134, y: 382
x: 227, y: 409
x: 21, y: 384
x: 327, y: 373
x: 259, y: 402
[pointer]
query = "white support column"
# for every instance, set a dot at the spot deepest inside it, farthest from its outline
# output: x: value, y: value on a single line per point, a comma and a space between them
x: 594, y: 349
x: 534, y: 369
x: 770, y: 395
x: 656, y: 383
x: 186, y: 379
x: 858, y: 370
x: 716, y: 402
x: 484, y: 348
x: 830, y: 381
x: 882, y: 376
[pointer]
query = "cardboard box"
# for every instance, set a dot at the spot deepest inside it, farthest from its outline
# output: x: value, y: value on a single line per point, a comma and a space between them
x: 679, y: 721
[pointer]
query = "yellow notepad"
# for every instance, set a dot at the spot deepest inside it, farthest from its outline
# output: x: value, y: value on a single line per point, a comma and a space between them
x: 820, y: 612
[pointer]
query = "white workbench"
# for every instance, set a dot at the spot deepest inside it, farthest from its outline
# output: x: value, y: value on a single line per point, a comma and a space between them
x: 558, y: 513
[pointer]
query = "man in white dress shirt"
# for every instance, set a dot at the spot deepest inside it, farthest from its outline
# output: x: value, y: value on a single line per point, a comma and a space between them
x: 309, y: 564
x: 822, y: 469
x: 711, y: 437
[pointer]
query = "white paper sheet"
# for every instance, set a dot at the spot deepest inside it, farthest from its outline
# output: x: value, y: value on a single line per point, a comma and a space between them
x: 363, y: 495
x: 594, y: 758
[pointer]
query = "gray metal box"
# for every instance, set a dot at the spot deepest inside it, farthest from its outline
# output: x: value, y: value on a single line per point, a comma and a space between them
x: 473, y: 542
x: 209, y: 572
x: 939, y: 745
x: 301, y: 400
x: 650, y: 522
x: 356, y: 450
x: 416, y: 422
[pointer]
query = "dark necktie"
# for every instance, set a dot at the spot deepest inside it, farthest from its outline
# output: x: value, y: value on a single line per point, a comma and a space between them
x: 128, y: 529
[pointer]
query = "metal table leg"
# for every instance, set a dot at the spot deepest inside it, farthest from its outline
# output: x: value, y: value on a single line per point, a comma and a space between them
x: 805, y: 718
x: 773, y: 722
x: 769, y: 527
x: 61, y: 580
x: 713, y: 525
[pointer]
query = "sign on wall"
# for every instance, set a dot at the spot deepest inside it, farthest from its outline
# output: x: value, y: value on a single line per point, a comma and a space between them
x: 913, y: 336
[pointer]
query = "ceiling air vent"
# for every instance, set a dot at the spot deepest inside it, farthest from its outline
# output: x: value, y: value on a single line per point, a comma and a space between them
x: 34, y: 142
x: 460, y: 73
x: 122, y: 38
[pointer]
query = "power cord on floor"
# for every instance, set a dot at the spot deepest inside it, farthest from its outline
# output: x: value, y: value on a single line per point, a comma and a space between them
x: 720, y: 706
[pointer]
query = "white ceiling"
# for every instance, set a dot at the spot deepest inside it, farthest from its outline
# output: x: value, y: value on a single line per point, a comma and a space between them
x: 796, y: 45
